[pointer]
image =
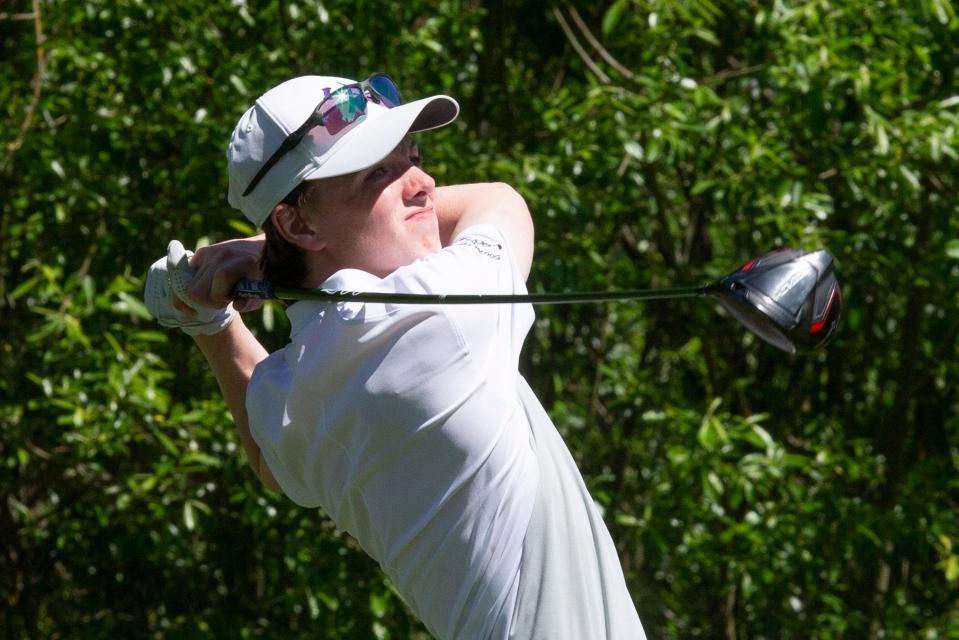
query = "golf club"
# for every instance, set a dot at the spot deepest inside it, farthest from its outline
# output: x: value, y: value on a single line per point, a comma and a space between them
x: 788, y: 297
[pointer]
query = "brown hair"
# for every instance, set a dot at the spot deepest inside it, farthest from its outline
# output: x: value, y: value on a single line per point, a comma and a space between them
x: 284, y: 263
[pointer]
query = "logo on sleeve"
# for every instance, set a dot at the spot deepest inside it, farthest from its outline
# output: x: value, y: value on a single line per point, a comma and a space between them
x: 487, y: 248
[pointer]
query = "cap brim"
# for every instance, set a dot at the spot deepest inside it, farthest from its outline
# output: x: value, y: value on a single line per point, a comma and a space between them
x: 375, y: 138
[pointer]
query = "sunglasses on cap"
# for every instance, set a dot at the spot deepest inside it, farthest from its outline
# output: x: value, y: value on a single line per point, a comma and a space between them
x: 349, y: 103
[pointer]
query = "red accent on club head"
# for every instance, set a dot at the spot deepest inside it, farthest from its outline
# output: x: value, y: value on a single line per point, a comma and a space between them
x: 818, y: 326
x: 749, y: 265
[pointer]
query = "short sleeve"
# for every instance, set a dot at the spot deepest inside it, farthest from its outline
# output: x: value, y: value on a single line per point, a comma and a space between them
x: 478, y: 261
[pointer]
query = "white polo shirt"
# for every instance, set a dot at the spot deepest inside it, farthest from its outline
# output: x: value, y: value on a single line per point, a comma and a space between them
x: 406, y: 424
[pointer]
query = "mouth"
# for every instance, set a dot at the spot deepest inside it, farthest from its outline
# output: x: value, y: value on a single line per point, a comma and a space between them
x: 420, y: 214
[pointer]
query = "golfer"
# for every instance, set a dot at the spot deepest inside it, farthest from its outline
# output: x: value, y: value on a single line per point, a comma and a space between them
x: 409, y: 425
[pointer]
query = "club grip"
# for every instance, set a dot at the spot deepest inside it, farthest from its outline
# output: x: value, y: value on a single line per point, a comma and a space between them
x: 255, y: 289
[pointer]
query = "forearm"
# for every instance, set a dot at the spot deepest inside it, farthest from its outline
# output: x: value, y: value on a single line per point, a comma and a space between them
x: 233, y: 354
x: 461, y: 206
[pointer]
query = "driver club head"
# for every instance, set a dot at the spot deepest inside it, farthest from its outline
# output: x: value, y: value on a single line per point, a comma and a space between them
x: 789, y: 298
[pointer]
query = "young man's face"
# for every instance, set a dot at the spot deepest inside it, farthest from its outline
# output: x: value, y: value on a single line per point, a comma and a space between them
x: 380, y: 218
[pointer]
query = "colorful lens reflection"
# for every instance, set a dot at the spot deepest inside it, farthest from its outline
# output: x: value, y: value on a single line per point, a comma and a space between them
x: 349, y: 105
x: 387, y: 90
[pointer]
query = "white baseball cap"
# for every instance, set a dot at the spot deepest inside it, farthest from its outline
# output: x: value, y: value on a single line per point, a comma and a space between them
x: 284, y: 108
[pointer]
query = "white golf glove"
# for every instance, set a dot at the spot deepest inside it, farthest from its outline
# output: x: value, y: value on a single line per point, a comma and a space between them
x: 169, y: 277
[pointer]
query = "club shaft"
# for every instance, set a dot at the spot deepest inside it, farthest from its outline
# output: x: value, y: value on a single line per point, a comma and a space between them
x: 261, y: 290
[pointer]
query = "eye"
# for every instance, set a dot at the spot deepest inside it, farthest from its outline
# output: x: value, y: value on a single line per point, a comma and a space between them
x: 377, y: 173
x: 416, y: 157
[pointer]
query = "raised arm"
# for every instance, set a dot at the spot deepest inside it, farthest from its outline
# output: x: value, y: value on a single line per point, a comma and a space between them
x: 234, y: 352
x: 193, y: 294
x: 459, y: 207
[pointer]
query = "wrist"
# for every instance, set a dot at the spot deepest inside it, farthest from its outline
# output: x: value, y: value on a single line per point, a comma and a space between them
x: 223, y: 338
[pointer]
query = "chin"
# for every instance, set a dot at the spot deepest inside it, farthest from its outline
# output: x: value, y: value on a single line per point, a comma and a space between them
x: 427, y: 243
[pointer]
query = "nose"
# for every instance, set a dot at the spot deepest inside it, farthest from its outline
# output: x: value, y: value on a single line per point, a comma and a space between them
x: 418, y: 185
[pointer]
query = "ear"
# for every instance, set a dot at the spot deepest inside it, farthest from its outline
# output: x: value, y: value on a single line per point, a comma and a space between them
x: 295, y: 229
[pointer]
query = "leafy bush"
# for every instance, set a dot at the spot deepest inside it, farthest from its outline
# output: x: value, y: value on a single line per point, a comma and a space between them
x: 658, y: 143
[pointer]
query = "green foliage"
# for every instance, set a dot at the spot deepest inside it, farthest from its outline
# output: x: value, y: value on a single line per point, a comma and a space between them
x: 750, y: 494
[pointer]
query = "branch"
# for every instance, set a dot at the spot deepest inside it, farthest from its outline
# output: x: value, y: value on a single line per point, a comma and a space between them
x: 727, y: 74
x: 729, y: 613
x: 36, y: 82
x: 604, y: 54
x: 579, y: 48
x: 17, y: 16
x: 662, y: 237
